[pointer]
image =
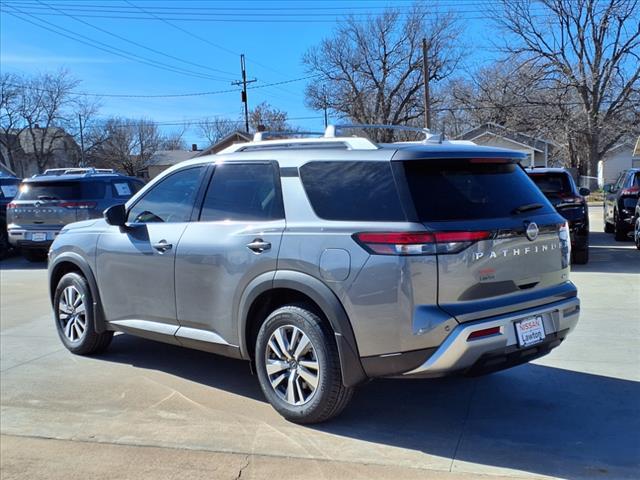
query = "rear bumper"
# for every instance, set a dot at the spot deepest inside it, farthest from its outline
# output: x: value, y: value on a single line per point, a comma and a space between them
x: 24, y: 238
x: 459, y: 354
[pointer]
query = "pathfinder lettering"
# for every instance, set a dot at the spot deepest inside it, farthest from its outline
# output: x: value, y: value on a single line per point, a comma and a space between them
x: 516, y: 251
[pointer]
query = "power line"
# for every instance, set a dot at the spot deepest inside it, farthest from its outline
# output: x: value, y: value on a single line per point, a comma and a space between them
x: 100, y: 29
x: 101, y: 45
x: 176, y: 95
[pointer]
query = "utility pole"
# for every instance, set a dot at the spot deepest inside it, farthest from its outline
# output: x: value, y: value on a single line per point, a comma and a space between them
x: 425, y: 74
x: 244, y: 82
x: 82, y: 163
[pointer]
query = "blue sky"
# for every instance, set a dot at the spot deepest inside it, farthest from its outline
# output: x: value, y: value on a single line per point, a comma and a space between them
x: 203, y: 37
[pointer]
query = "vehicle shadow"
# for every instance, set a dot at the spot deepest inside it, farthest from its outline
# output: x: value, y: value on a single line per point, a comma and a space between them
x: 16, y: 262
x: 606, y: 255
x: 532, y: 418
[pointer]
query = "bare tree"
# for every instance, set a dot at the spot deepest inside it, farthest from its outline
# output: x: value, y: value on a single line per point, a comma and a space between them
x: 128, y: 144
x: 174, y: 140
x: 371, y: 72
x: 265, y: 117
x: 81, y: 126
x: 44, y: 111
x: 11, y: 122
x: 591, y: 50
x: 216, y: 128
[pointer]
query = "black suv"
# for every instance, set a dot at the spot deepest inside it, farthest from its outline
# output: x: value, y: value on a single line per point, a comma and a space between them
x: 8, y: 190
x: 619, y: 203
x: 558, y: 186
x: 47, y: 202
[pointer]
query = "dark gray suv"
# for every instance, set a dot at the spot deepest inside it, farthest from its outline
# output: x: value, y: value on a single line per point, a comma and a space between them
x: 47, y: 202
x: 326, y: 262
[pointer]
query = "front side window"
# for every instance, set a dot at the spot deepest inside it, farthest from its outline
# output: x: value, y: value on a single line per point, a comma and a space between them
x: 246, y: 192
x: 171, y: 200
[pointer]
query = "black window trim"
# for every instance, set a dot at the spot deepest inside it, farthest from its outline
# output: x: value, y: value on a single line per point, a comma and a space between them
x: 206, y: 173
x: 207, y: 182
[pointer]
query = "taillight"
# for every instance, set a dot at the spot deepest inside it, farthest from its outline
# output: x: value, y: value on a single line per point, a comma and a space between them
x: 12, y: 205
x: 80, y: 205
x: 417, y: 243
x: 630, y: 191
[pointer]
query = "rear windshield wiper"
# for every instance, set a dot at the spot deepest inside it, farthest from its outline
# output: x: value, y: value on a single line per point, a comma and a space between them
x: 526, y: 208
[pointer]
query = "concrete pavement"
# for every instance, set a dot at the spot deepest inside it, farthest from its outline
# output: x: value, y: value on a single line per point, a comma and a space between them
x: 572, y: 414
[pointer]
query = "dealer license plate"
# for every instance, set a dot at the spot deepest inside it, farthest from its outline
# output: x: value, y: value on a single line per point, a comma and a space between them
x: 530, y: 331
x: 38, y: 236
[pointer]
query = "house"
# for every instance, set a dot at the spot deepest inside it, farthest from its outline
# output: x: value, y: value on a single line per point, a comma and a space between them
x: 62, y: 150
x: 163, y: 159
x: 621, y: 157
x: 234, y: 137
x: 539, y: 151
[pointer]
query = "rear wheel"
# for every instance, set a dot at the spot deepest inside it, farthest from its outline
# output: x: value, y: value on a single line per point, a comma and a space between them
x: 608, y: 228
x: 298, y: 366
x: 4, y: 243
x: 621, y: 232
x: 636, y: 233
x: 73, y: 310
x: 580, y: 257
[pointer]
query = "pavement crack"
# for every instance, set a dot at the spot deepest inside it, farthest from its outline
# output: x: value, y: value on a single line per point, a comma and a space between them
x: 464, y: 424
x: 247, y: 461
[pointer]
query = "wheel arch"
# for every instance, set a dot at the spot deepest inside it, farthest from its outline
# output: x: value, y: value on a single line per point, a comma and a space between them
x: 72, y: 262
x: 270, y: 291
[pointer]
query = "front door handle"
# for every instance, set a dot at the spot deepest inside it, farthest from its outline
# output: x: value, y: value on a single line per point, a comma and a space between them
x: 258, y: 245
x: 162, y: 246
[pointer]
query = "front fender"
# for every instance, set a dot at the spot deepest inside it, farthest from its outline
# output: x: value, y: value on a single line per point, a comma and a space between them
x: 63, y: 262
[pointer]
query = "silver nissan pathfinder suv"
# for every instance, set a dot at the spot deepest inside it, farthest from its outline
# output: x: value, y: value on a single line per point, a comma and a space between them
x: 326, y: 262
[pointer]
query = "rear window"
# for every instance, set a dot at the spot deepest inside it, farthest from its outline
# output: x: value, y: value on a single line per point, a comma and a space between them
x: 444, y: 190
x: 61, y: 190
x: 363, y: 191
x: 552, y: 183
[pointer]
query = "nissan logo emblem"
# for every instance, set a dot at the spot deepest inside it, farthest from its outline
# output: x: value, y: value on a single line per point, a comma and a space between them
x: 532, y: 231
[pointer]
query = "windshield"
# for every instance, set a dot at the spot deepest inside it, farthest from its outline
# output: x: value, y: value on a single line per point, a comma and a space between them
x: 442, y: 190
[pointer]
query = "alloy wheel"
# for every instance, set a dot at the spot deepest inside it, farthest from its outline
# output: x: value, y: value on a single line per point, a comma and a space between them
x: 72, y: 313
x: 292, y: 365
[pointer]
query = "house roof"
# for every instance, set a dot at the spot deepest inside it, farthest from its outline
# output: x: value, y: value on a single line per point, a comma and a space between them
x: 234, y: 137
x: 500, y: 131
x: 171, y: 157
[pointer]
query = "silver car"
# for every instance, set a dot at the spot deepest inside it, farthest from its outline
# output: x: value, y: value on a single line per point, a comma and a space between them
x: 326, y: 262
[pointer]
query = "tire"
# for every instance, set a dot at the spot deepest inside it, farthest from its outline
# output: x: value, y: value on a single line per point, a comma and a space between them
x: 620, y: 232
x: 4, y: 242
x: 73, y: 302
x: 636, y: 234
x: 35, y: 256
x: 608, y: 228
x: 581, y: 257
x: 293, y: 397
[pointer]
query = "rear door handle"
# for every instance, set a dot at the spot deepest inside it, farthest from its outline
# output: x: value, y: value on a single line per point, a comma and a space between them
x: 258, y: 245
x: 162, y: 246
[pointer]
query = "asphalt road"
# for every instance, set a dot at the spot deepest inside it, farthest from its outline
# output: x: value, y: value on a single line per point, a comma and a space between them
x: 149, y: 410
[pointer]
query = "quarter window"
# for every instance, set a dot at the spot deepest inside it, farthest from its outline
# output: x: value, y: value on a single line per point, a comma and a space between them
x: 171, y: 200
x: 247, y: 192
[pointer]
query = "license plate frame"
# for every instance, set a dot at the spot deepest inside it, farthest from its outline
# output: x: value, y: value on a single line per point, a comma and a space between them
x: 39, y: 237
x: 530, y: 331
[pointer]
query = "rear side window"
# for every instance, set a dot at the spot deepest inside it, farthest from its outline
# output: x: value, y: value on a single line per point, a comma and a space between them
x: 124, y: 188
x: 463, y: 190
x: 8, y: 189
x: 61, y: 190
x: 552, y: 183
x: 363, y: 191
x: 243, y: 192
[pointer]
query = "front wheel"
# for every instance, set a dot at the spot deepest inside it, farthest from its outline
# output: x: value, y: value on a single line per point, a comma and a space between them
x: 73, y: 310
x: 298, y: 366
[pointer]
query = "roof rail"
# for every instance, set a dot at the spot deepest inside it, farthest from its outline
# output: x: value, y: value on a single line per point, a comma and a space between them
x: 260, y: 136
x: 350, y: 143
x: 331, y: 130
x: 74, y: 171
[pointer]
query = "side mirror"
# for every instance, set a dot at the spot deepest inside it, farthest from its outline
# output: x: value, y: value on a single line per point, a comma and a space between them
x: 584, y: 191
x: 607, y: 187
x: 116, y: 215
